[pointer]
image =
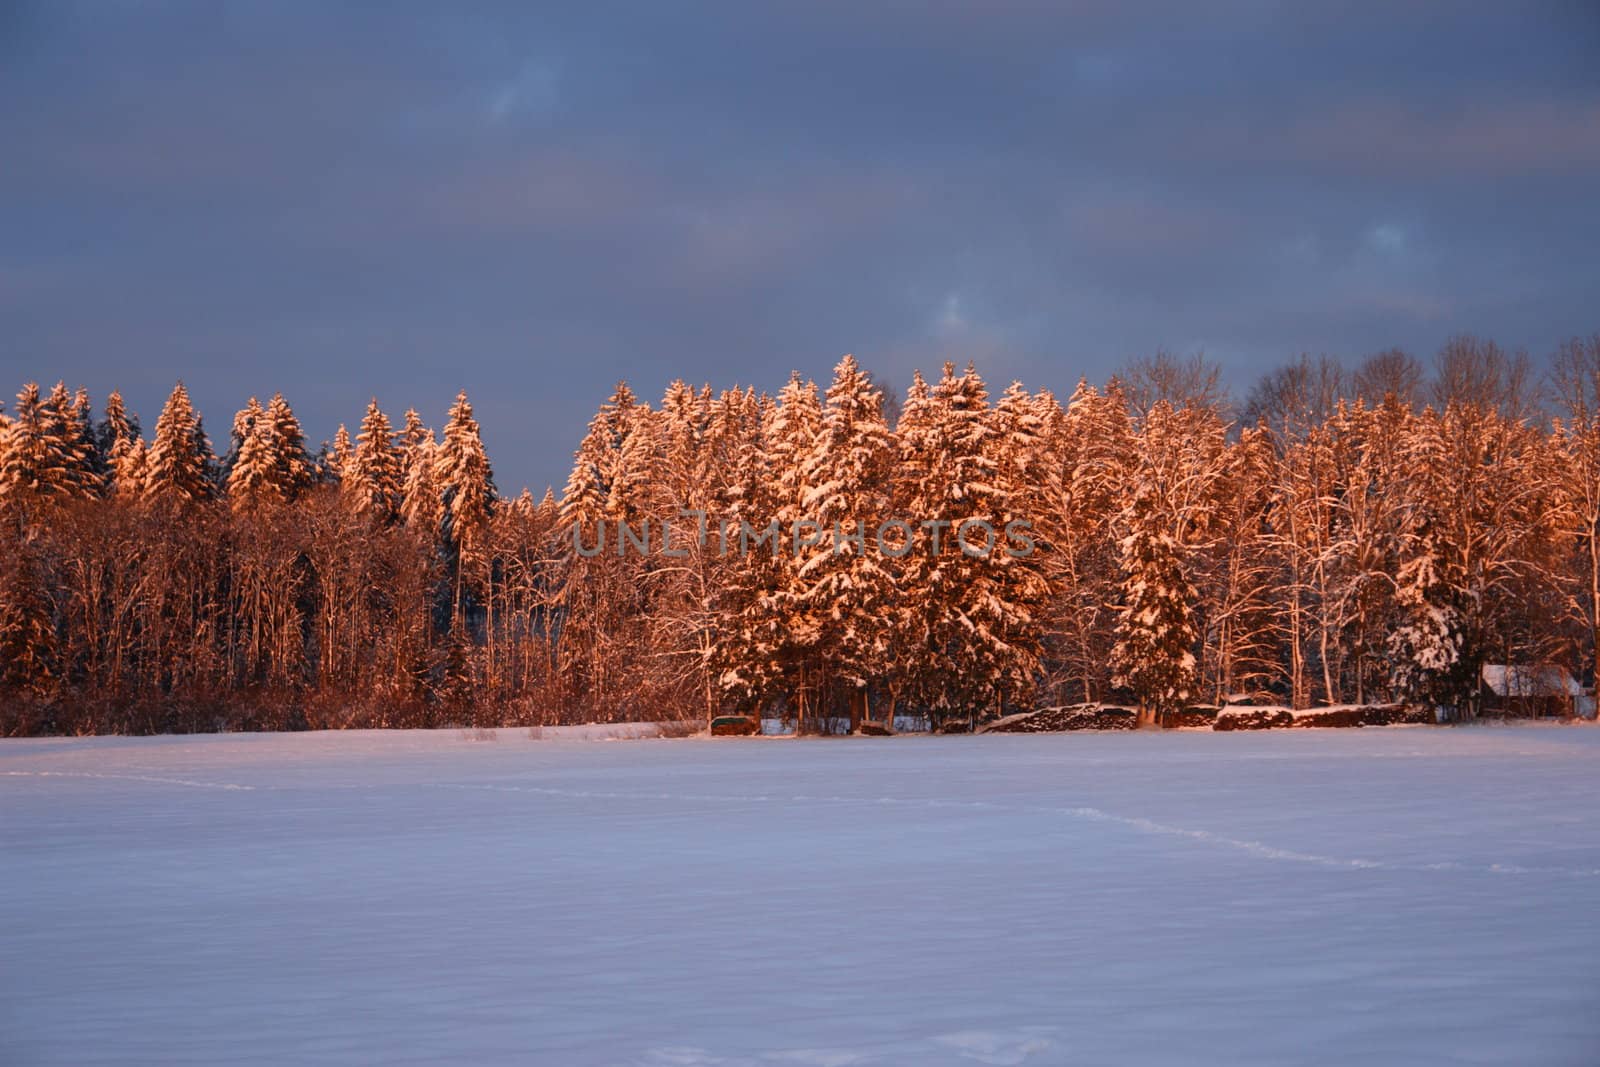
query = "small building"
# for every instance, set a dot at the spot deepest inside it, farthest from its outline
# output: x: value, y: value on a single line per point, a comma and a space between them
x: 1529, y: 691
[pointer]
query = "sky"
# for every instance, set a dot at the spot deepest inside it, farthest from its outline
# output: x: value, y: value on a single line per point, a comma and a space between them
x: 532, y: 201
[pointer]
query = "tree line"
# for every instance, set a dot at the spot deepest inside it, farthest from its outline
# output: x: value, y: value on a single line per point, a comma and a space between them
x: 1375, y: 534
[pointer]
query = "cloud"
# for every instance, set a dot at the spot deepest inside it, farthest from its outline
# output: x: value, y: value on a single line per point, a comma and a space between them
x: 539, y: 199
x: 533, y: 93
x: 1398, y: 139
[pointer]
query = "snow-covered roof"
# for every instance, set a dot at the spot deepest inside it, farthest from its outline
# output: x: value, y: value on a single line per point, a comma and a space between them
x: 1522, y: 680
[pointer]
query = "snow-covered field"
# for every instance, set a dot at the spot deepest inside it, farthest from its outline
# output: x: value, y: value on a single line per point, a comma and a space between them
x: 1362, y: 896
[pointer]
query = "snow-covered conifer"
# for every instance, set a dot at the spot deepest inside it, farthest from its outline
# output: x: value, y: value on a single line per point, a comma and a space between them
x: 769, y: 625
x: 252, y: 464
x: 45, y: 454
x: 464, y: 483
x: 336, y: 465
x: 178, y: 465
x: 373, y: 478
x: 244, y: 422
x: 1082, y: 490
x: 1154, y: 653
x: 844, y: 584
x: 293, y: 473
x: 419, y: 502
x: 116, y: 439
x: 588, y: 490
x: 88, y: 464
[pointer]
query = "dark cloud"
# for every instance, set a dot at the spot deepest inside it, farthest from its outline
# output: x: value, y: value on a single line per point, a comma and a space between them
x: 531, y: 201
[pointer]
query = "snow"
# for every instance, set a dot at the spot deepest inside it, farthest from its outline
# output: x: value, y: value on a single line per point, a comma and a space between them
x: 1378, y: 895
x: 1535, y: 681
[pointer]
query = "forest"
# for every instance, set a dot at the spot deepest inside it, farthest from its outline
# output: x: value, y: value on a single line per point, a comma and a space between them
x: 1339, y: 534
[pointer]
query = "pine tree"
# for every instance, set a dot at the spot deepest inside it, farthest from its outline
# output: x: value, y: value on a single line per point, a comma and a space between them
x: 374, y: 479
x: 768, y: 633
x: 587, y: 494
x: 583, y: 500
x: 270, y: 463
x: 1479, y: 549
x: 1240, y: 647
x: 26, y: 459
x: 1020, y: 457
x: 845, y: 588
x: 639, y: 467
x: 177, y: 468
x: 981, y: 598
x: 117, y: 440
x: 1007, y: 599
x: 919, y: 662
x: 336, y: 465
x: 1369, y: 517
x: 1426, y: 646
x: 1088, y: 452
x: 87, y: 465
x: 253, y: 467
x: 419, y: 502
x: 466, y: 497
x: 293, y: 472
x: 130, y: 466
x: 683, y: 429
x: 604, y: 594
x: 116, y: 427
x: 244, y: 424
x: 43, y: 455
x: 1154, y: 653
x: 710, y: 464
x: 30, y: 647
x: 465, y: 483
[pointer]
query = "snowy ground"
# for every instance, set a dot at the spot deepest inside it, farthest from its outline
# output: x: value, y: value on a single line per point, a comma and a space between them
x: 1362, y: 896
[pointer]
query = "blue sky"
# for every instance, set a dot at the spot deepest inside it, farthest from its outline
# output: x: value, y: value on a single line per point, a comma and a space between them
x: 530, y: 201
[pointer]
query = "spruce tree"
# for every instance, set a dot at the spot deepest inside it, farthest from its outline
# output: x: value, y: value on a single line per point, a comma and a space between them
x: 177, y: 468
x: 373, y: 483
x: 1090, y: 446
x: 129, y: 468
x: 1154, y: 653
x: 767, y: 632
x: 46, y: 453
x: 336, y: 462
x: 583, y: 500
x: 293, y: 473
x: 588, y: 493
x: 5, y: 434
x: 30, y: 659
x: 1006, y: 599
x: 465, y: 483
x: 1426, y: 645
x: 270, y: 463
x: 115, y: 440
x: 981, y: 598
x: 33, y: 461
x: 117, y: 427
x: 244, y: 424
x: 918, y: 666
x: 419, y: 501
x: 845, y: 588
x: 88, y: 466
x: 253, y: 465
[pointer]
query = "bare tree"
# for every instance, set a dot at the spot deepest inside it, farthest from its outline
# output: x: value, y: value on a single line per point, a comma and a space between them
x: 1575, y: 382
x: 1182, y: 381
x: 1391, y: 372
x: 1469, y: 370
x: 1296, y: 396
